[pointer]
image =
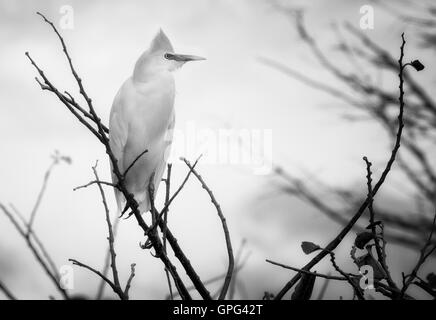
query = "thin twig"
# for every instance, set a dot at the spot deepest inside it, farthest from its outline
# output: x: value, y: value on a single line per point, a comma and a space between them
x: 338, y: 239
x: 320, y: 275
x: 300, y: 188
x: 113, y: 185
x: 117, y: 290
x: 166, y: 208
x: 111, y: 238
x: 232, y: 289
x: 35, y: 252
x: 129, y: 281
x: 190, y: 271
x: 101, y: 135
x: 357, y: 291
x: 164, y: 231
x: 219, y: 277
x: 426, y: 251
x: 225, y: 228
x: 323, y: 288
x: 6, y: 291
x: 167, y: 203
x: 40, y: 195
x: 107, y: 261
x: 377, y: 103
x: 134, y: 161
x: 78, y: 79
x: 381, y: 252
x: 65, y: 100
x: 74, y: 104
x: 38, y: 242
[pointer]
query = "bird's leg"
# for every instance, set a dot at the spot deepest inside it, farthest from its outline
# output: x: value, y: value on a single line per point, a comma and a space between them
x: 129, y: 215
x: 152, y: 231
x: 147, y: 244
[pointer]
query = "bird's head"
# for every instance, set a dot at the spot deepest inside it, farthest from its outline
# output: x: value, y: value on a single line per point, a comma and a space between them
x: 160, y: 57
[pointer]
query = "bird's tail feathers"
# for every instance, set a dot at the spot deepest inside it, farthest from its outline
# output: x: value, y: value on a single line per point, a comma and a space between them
x: 142, y: 199
x: 121, y: 201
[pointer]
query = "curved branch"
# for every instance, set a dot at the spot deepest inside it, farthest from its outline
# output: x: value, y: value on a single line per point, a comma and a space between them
x: 229, y: 274
x: 338, y: 239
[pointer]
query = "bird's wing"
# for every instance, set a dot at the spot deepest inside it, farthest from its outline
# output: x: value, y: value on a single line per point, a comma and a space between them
x: 118, y: 133
x: 169, y: 137
x: 118, y: 138
x: 168, y: 141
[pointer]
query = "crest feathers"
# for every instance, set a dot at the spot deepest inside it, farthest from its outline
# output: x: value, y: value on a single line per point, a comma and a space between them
x: 161, y: 42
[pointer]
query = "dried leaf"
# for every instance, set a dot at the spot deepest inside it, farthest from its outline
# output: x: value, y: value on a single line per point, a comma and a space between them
x: 309, y: 247
x: 417, y: 65
x: 362, y: 239
x: 431, y: 279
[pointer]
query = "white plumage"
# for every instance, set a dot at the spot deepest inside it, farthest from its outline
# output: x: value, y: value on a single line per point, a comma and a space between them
x: 142, y: 117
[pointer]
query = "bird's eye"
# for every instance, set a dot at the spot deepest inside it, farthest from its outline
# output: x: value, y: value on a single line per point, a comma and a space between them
x: 167, y: 56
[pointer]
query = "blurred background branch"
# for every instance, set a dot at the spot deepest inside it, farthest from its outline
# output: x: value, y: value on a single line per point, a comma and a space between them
x: 366, y: 99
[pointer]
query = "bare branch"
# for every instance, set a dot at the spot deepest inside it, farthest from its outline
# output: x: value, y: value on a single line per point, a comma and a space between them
x: 107, y: 261
x: 167, y: 203
x: 357, y: 290
x: 134, y: 161
x: 426, y: 251
x: 100, y: 133
x: 164, y: 231
x: 35, y: 252
x: 97, y: 182
x: 129, y: 281
x: 323, y: 288
x: 381, y: 254
x: 214, y: 279
x: 338, y: 239
x: 6, y: 291
x: 65, y: 100
x: 226, y: 231
x: 320, y: 275
x: 111, y: 238
x: 109, y: 282
x: 40, y: 195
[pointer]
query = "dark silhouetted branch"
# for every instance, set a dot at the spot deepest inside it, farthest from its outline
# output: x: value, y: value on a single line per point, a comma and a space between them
x: 338, y: 239
x: 36, y: 254
x: 426, y: 251
x: 6, y: 291
x: 320, y: 275
x: 165, y: 221
x: 129, y: 281
x: 116, y: 289
x: 134, y: 161
x: 226, y: 231
x: 111, y: 238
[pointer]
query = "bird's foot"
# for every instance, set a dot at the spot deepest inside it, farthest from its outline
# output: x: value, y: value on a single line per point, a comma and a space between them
x: 129, y: 215
x: 126, y: 207
x: 147, y: 244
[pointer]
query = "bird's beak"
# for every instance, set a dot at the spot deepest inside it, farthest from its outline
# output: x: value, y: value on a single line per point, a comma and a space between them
x: 183, y: 57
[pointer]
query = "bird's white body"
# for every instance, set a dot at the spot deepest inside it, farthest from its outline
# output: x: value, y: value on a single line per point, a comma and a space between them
x: 142, y: 118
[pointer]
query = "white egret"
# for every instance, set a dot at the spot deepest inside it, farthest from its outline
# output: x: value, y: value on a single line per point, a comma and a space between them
x: 142, y: 118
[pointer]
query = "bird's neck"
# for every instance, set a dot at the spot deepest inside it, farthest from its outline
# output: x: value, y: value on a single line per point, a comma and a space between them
x: 145, y: 70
